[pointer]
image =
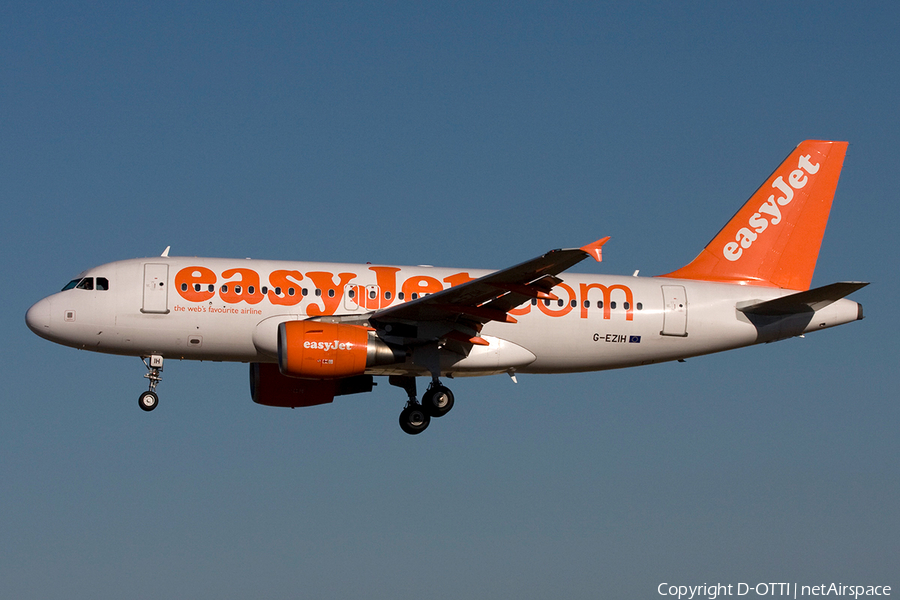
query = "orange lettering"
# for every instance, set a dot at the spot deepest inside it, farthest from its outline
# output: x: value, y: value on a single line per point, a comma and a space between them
x: 386, y: 280
x: 421, y: 284
x: 189, y: 278
x: 561, y: 311
x: 290, y: 295
x: 607, y: 298
x: 325, y: 282
x: 245, y: 289
x: 458, y: 279
x: 522, y: 310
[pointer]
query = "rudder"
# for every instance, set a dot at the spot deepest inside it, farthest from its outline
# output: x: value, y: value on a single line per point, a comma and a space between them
x: 774, y: 239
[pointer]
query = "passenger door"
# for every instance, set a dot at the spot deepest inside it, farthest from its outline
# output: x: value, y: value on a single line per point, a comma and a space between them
x: 675, y: 313
x: 156, y: 288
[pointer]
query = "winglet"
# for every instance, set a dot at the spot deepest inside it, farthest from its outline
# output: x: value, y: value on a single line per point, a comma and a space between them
x: 165, y: 253
x: 595, y: 249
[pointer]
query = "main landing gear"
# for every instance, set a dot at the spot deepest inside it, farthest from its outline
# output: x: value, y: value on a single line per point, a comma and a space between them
x: 436, y: 402
x: 149, y: 400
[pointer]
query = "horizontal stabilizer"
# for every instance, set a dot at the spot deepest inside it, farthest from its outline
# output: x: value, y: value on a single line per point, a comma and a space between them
x: 801, y: 302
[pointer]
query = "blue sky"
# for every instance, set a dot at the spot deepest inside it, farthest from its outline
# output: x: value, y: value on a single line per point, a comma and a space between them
x: 467, y: 134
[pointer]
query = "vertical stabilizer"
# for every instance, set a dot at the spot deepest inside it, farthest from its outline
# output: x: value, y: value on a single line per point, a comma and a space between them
x: 774, y: 239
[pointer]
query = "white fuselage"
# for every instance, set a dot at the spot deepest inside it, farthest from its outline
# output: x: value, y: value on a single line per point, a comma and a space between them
x: 229, y: 310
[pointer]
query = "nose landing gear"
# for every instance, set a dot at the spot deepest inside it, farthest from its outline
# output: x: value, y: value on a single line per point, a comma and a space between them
x: 149, y: 400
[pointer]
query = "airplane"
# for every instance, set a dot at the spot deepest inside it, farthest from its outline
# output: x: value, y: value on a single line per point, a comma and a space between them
x: 312, y: 331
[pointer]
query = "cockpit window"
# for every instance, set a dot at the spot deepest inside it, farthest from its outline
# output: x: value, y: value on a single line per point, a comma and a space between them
x: 87, y: 283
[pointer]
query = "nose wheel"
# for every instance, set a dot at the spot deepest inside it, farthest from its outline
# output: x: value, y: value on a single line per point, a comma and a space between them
x: 149, y: 400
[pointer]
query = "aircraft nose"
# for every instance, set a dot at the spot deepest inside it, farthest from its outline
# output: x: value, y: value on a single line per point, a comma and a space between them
x: 38, y: 317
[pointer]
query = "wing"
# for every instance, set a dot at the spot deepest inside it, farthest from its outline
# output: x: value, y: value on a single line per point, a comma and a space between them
x: 459, y: 312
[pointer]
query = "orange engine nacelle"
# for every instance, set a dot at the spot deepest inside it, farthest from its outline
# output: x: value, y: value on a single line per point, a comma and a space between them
x: 317, y: 350
x: 269, y: 387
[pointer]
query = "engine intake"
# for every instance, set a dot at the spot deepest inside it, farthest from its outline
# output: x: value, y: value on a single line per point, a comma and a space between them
x: 317, y: 350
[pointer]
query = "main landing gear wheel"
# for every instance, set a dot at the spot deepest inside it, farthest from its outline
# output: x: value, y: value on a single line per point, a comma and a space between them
x: 413, y: 419
x: 148, y: 401
x: 437, y: 401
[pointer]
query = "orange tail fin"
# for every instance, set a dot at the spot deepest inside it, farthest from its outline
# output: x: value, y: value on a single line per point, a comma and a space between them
x: 774, y: 239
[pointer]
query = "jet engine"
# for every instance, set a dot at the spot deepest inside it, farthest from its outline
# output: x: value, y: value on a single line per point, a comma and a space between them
x: 317, y: 350
x: 270, y: 388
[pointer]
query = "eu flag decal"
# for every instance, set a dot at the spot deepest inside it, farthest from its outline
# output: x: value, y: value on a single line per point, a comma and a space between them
x: 634, y: 339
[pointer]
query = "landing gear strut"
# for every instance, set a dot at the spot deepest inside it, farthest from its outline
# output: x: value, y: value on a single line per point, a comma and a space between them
x: 436, y: 402
x: 149, y: 400
x: 413, y: 419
